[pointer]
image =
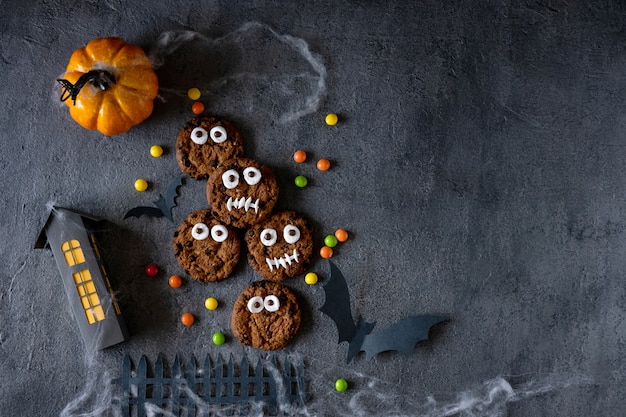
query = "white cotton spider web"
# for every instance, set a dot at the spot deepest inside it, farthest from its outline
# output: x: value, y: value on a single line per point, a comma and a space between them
x: 251, y: 70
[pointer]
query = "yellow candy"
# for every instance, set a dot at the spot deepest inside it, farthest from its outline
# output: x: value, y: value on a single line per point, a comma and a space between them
x: 210, y: 303
x: 156, y: 151
x: 310, y: 278
x: 331, y: 119
x: 193, y: 93
x: 141, y: 185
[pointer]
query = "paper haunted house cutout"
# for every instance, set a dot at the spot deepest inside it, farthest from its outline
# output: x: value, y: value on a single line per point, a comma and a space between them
x: 70, y: 236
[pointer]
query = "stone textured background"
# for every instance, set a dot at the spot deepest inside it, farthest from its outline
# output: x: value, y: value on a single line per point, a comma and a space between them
x: 478, y: 165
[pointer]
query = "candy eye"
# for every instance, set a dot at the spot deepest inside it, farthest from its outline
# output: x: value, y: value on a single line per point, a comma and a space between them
x: 268, y: 237
x: 255, y: 305
x: 199, y: 136
x: 252, y: 175
x: 200, y: 231
x: 271, y: 303
x: 291, y: 234
x: 230, y: 179
x: 218, y: 134
x: 219, y: 233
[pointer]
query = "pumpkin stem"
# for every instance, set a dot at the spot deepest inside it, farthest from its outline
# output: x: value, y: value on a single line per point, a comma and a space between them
x: 98, y: 78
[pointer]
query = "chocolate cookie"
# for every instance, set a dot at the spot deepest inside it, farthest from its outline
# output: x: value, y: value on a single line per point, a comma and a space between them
x: 281, y: 246
x: 242, y: 192
x: 204, y: 143
x: 266, y: 315
x: 206, y: 249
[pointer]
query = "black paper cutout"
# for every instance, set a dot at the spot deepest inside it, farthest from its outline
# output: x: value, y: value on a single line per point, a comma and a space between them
x: 190, y: 390
x: 401, y: 336
x: 163, y: 206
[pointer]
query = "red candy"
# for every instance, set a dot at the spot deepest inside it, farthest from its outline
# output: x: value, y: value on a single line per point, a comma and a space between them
x: 152, y: 270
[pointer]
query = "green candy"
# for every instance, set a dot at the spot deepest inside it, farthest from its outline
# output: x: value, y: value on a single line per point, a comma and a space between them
x: 330, y: 241
x: 218, y: 338
x: 301, y: 181
x: 341, y: 385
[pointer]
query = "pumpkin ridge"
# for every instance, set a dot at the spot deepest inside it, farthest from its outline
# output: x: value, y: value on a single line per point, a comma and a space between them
x: 108, y: 125
x: 134, y: 114
x: 85, y: 110
x: 139, y: 58
x: 95, y: 51
x: 137, y: 91
x: 118, y: 52
x: 80, y: 61
x: 144, y: 90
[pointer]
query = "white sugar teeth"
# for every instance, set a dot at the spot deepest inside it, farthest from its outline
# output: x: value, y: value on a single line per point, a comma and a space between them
x: 242, y: 203
x: 282, y: 261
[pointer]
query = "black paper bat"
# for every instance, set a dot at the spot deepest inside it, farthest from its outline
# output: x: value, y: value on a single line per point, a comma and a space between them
x: 401, y: 336
x: 163, y: 206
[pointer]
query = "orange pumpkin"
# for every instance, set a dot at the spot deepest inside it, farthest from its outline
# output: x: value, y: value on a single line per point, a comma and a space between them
x: 111, y: 85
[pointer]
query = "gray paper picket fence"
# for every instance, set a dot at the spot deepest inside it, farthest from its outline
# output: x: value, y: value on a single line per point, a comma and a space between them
x: 217, y: 387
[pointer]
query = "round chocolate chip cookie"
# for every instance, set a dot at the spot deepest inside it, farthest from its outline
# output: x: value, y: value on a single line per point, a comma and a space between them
x: 266, y: 315
x: 280, y: 246
x: 204, y: 143
x: 206, y: 249
x: 242, y: 192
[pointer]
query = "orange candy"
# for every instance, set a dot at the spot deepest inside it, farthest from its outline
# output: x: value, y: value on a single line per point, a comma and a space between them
x: 326, y: 252
x: 341, y: 235
x: 197, y: 107
x: 175, y: 281
x: 323, y: 164
x: 187, y: 319
x: 299, y: 156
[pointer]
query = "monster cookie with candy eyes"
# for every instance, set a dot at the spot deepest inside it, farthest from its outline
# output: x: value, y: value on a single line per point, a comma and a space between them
x: 242, y: 192
x: 204, y: 143
x: 266, y: 315
x: 281, y: 246
x: 205, y: 248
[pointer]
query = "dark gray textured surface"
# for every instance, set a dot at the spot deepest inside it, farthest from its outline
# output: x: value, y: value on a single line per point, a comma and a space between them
x: 478, y: 164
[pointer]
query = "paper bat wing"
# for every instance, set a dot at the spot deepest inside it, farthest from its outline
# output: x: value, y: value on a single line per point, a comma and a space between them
x: 167, y: 203
x: 144, y: 211
x: 402, y: 336
x: 337, y: 304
